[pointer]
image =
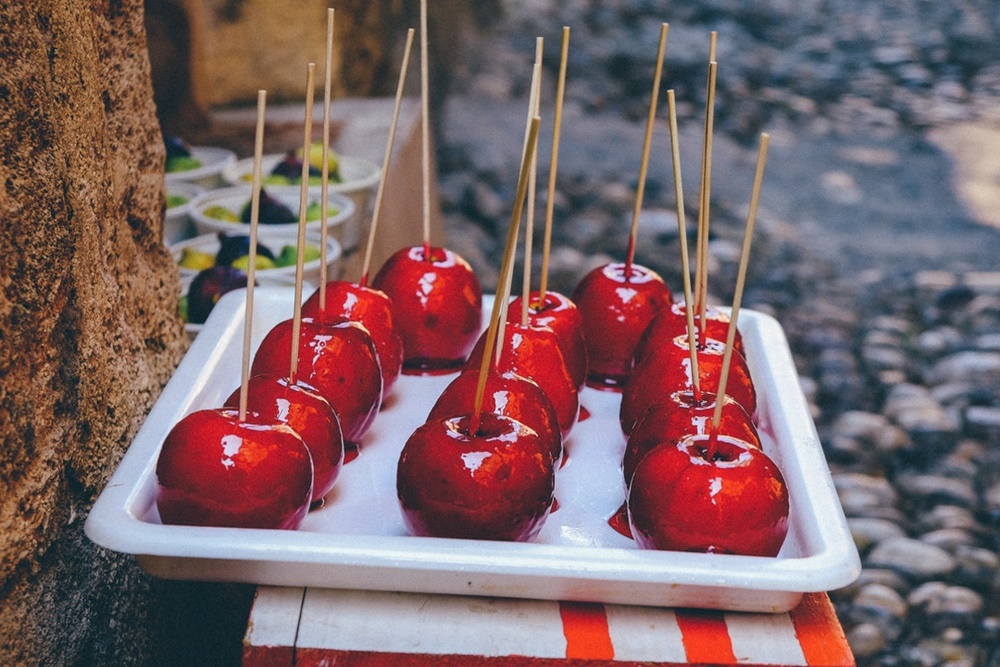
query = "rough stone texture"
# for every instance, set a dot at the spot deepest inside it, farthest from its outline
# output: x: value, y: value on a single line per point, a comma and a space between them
x: 88, y: 326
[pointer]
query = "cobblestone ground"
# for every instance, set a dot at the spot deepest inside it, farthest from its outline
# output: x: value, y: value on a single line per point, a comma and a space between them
x: 872, y: 247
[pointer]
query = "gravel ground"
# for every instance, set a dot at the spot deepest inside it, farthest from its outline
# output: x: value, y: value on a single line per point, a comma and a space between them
x: 868, y: 248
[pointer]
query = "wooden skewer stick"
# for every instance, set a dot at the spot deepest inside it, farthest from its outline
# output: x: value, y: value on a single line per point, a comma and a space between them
x: 506, y: 270
x: 425, y: 137
x: 377, y: 210
x: 705, y: 191
x: 325, y: 170
x: 644, y: 167
x: 534, y: 104
x: 503, y: 293
x: 506, y: 287
x: 258, y: 154
x: 682, y: 234
x: 738, y: 294
x: 553, y: 168
x: 705, y: 198
x: 303, y: 205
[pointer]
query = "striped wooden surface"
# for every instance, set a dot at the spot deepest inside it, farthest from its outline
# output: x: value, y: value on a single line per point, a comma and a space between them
x: 311, y: 627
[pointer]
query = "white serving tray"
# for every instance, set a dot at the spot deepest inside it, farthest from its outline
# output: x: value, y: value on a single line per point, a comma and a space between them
x: 358, y: 540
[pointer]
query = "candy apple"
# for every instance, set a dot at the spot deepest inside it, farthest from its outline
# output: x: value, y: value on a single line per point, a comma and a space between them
x: 273, y: 398
x: 373, y: 310
x: 669, y: 370
x: 338, y: 359
x: 215, y: 470
x: 685, y: 497
x: 617, y: 305
x: 493, y: 484
x: 672, y: 322
x: 682, y: 415
x: 534, y: 352
x: 437, y: 306
x: 561, y: 315
x: 505, y: 394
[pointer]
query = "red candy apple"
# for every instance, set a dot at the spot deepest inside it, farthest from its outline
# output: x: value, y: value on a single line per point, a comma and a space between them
x: 683, y: 498
x: 505, y: 394
x: 672, y: 322
x: 339, y: 360
x: 494, y: 484
x: 669, y: 370
x: 678, y: 417
x: 215, y: 470
x: 273, y: 398
x: 373, y: 310
x: 616, y: 308
x: 437, y: 306
x: 561, y: 315
x: 534, y: 352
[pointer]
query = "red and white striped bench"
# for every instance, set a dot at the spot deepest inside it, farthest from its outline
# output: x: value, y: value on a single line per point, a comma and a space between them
x: 309, y: 627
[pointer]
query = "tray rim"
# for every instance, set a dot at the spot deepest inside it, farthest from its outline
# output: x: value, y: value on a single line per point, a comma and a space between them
x: 436, y: 564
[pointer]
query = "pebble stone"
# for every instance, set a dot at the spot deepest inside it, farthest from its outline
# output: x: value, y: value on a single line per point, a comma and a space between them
x: 868, y: 532
x: 880, y: 605
x: 943, y: 607
x: 949, y: 539
x: 945, y: 517
x: 866, y: 640
x: 978, y: 568
x: 912, y: 558
x: 898, y: 352
x: 935, y: 489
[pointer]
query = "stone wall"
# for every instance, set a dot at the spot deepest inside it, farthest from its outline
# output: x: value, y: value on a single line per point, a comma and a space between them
x: 88, y: 325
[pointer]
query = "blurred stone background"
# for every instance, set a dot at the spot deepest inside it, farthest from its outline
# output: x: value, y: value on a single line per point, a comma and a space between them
x: 876, y: 246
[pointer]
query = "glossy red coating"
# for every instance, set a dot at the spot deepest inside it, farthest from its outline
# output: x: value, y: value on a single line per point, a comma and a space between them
x: 338, y: 359
x: 672, y: 322
x: 677, y: 418
x: 734, y: 503
x: 505, y: 394
x: 437, y: 306
x: 560, y: 314
x: 669, y: 370
x: 494, y: 484
x: 272, y: 398
x: 372, y: 309
x: 616, y: 310
x: 214, y: 470
x: 534, y: 352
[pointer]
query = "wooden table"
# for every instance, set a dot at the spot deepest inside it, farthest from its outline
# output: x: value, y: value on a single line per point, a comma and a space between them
x: 312, y: 627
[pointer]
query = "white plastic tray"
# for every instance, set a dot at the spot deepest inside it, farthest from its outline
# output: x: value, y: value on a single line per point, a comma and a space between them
x: 357, y: 540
